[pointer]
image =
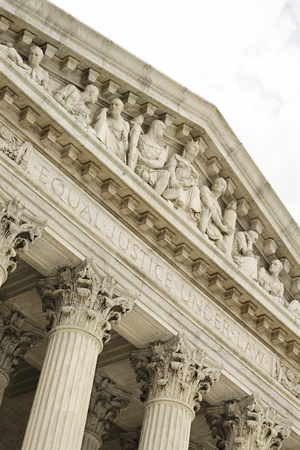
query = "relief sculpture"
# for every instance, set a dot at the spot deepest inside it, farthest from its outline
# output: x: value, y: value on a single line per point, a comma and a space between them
x: 269, y: 280
x: 184, y: 179
x: 211, y: 220
x: 242, y: 252
x: 76, y: 102
x: 111, y: 129
x: 152, y: 158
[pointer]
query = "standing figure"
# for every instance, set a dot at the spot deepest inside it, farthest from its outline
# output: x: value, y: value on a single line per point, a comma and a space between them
x: 242, y: 252
x: 269, y: 279
x: 112, y: 129
x: 36, y: 72
x: 134, y: 135
x: 183, y: 184
x: 77, y: 103
x: 152, y: 158
x: 211, y: 220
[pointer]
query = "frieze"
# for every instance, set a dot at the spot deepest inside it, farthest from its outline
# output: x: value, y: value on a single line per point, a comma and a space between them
x: 210, y: 315
x: 13, y: 147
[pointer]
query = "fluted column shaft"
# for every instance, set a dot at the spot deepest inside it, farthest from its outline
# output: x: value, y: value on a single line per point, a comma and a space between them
x: 166, y: 426
x: 91, y: 441
x: 80, y: 303
x: 57, y: 417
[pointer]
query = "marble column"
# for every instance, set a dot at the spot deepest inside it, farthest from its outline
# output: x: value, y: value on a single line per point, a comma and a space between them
x: 174, y: 375
x: 81, y: 304
x: 107, y: 401
x: 15, y: 235
x: 247, y: 424
x: 17, y: 336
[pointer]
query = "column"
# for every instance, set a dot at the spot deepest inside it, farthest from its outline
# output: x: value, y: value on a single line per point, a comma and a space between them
x: 16, y: 337
x: 129, y: 440
x: 247, y: 424
x: 174, y: 375
x: 15, y: 234
x: 107, y: 401
x: 81, y: 304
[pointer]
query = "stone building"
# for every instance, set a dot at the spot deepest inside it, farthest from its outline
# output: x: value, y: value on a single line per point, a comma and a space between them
x: 149, y: 274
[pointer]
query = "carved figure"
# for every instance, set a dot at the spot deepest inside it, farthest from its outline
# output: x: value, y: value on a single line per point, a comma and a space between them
x: 294, y: 308
x: 36, y: 72
x: 211, y: 220
x: 242, y: 252
x: 112, y: 129
x: 12, y: 54
x: 183, y: 184
x: 135, y: 132
x: 152, y: 158
x: 77, y: 103
x: 269, y: 279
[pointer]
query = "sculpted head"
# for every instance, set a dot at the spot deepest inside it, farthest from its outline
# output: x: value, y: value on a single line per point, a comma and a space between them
x: 91, y: 94
x: 191, y: 150
x: 219, y: 185
x: 157, y: 129
x: 253, y: 235
x: 275, y: 267
x: 35, y: 56
x: 116, y: 107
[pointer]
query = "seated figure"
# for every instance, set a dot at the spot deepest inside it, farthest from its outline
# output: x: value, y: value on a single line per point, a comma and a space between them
x: 242, y: 252
x: 294, y: 308
x: 211, y: 219
x: 77, y: 103
x: 12, y: 54
x: 111, y: 129
x: 269, y: 279
x: 33, y: 68
x: 183, y: 184
x: 152, y: 158
x: 36, y: 72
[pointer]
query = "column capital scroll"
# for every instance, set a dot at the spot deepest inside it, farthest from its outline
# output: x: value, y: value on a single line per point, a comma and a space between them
x: 174, y: 371
x: 249, y: 423
x: 85, y: 298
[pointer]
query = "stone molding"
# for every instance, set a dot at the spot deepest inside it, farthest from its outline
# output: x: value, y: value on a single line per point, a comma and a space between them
x: 17, y: 336
x: 84, y: 298
x: 107, y: 401
x: 13, y: 147
x: 288, y: 378
x: 173, y: 371
x: 15, y: 234
x: 247, y: 424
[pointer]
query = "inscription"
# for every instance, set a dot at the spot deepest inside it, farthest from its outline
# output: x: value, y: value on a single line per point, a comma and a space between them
x: 144, y: 259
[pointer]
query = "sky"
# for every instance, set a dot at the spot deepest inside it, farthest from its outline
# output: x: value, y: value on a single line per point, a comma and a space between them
x: 241, y: 55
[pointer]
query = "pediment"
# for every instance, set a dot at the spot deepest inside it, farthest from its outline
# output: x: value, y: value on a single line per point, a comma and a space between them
x: 86, y: 166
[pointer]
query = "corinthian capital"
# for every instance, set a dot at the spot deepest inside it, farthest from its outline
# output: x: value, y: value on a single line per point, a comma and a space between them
x: 107, y: 401
x: 15, y: 234
x: 247, y: 424
x: 84, y: 297
x: 175, y: 371
x: 17, y: 336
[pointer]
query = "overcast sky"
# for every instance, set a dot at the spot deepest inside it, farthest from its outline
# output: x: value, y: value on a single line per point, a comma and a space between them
x: 241, y: 55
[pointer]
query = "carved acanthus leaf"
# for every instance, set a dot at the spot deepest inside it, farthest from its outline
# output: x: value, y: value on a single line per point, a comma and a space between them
x: 13, y: 147
x: 107, y: 401
x: 83, y: 297
x: 17, y: 336
x: 173, y: 370
x: 248, y: 424
x: 288, y: 378
x: 15, y: 234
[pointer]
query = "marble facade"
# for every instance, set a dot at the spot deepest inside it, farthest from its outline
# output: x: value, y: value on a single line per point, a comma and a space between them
x: 149, y: 298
